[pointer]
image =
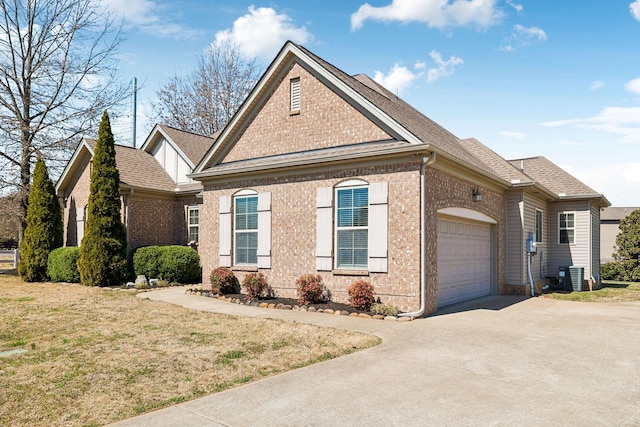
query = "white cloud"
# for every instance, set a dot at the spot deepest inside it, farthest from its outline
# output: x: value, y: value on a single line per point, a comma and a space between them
x: 148, y: 17
x: 514, y: 135
x: 397, y: 80
x: 634, y: 85
x: 443, y: 67
x: 434, y: 13
x: 522, y: 36
x: 261, y: 32
x: 400, y: 77
x: 617, y: 120
x: 517, y: 7
x: 596, y: 85
x: 635, y: 9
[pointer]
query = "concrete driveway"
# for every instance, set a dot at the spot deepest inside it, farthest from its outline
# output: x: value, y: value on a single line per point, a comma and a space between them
x: 496, y: 361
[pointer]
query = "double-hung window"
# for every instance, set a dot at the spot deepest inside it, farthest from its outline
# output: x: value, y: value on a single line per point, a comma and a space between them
x: 566, y: 228
x: 246, y: 230
x: 193, y: 215
x: 352, y: 228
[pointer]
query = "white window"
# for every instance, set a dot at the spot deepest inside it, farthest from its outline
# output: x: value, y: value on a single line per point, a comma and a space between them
x: 566, y: 228
x: 295, y: 95
x: 193, y: 223
x: 249, y: 229
x: 245, y: 230
x: 352, y: 228
x: 539, y: 225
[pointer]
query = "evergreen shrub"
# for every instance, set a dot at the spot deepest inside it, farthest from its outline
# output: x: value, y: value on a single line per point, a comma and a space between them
x: 174, y: 263
x: 63, y: 265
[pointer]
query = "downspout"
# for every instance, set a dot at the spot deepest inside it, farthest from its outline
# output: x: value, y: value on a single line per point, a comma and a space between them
x: 426, y: 160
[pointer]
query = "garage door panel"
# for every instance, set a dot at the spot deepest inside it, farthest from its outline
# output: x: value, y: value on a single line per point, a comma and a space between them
x: 464, y: 260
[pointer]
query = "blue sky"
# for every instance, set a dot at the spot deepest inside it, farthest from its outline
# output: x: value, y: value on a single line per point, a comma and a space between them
x: 532, y: 77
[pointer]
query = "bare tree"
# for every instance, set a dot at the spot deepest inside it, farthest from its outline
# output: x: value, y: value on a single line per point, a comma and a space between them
x: 205, y: 100
x: 57, y: 74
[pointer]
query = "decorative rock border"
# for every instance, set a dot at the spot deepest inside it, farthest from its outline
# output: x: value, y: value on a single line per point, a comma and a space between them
x: 280, y: 306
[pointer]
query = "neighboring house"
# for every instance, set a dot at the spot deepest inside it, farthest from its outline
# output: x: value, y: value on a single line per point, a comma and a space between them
x: 325, y: 173
x: 160, y: 203
x: 609, y: 228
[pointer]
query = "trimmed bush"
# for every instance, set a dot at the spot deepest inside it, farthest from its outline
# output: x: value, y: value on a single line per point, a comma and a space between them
x: 361, y: 295
x: 63, y: 265
x: 311, y: 289
x: 255, y: 286
x: 223, y: 281
x: 171, y: 263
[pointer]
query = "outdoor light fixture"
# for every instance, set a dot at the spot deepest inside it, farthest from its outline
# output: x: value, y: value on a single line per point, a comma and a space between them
x: 477, y: 195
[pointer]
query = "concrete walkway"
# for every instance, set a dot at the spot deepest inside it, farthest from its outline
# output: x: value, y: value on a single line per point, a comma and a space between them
x: 498, y: 361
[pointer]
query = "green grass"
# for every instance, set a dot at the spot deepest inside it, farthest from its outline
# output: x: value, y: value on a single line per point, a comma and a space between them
x: 611, y: 291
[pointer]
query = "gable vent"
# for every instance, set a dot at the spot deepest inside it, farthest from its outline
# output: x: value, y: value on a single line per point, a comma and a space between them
x: 295, y: 94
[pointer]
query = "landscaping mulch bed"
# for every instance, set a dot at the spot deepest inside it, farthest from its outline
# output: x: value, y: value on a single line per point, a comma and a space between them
x: 330, y: 307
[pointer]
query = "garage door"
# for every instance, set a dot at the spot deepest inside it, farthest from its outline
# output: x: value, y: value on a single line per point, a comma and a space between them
x: 464, y: 260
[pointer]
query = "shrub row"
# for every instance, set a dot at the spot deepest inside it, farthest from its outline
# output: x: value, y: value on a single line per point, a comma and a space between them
x: 179, y: 264
x: 309, y: 287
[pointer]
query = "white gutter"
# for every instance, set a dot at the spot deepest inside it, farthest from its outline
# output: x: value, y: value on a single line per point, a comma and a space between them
x: 426, y: 160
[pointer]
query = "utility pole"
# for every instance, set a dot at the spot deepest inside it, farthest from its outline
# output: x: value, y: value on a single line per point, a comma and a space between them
x: 134, y: 107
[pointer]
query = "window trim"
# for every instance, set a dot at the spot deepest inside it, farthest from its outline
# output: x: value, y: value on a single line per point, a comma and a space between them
x: 190, y: 209
x: 245, y: 194
x: 571, y: 241
x: 539, y: 233
x: 345, y: 186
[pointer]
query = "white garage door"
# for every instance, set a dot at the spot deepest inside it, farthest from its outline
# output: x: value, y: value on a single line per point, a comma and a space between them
x: 464, y: 260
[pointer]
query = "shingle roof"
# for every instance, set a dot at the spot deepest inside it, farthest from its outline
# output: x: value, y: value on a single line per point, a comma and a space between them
x: 139, y: 169
x: 194, y: 146
x: 553, y: 177
x: 411, y: 119
x: 500, y: 166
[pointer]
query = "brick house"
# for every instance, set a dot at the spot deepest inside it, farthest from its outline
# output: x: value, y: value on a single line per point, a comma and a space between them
x: 160, y: 203
x: 326, y: 173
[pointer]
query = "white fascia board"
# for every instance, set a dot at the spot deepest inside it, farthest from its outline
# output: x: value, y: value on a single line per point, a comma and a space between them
x: 157, y: 129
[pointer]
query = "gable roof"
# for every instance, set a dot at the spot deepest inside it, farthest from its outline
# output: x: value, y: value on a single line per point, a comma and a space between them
x: 556, y: 179
x: 396, y: 117
x: 500, y: 166
x: 138, y: 169
x: 191, y: 146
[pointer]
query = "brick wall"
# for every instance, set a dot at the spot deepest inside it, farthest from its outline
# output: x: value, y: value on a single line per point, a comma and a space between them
x: 294, y: 229
x: 77, y: 198
x: 275, y: 130
x: 445, y: 191
x: 293, y: 234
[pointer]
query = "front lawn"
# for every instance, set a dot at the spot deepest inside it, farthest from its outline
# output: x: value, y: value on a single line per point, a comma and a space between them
x: 611, y: 292
x: 96, y: 356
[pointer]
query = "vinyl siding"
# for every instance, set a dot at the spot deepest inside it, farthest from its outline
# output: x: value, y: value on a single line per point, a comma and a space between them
x: 514, y: 247
x: 577, y: 254
x: 595, y: 243
x: 521, y: 220
x: 539, y: 263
